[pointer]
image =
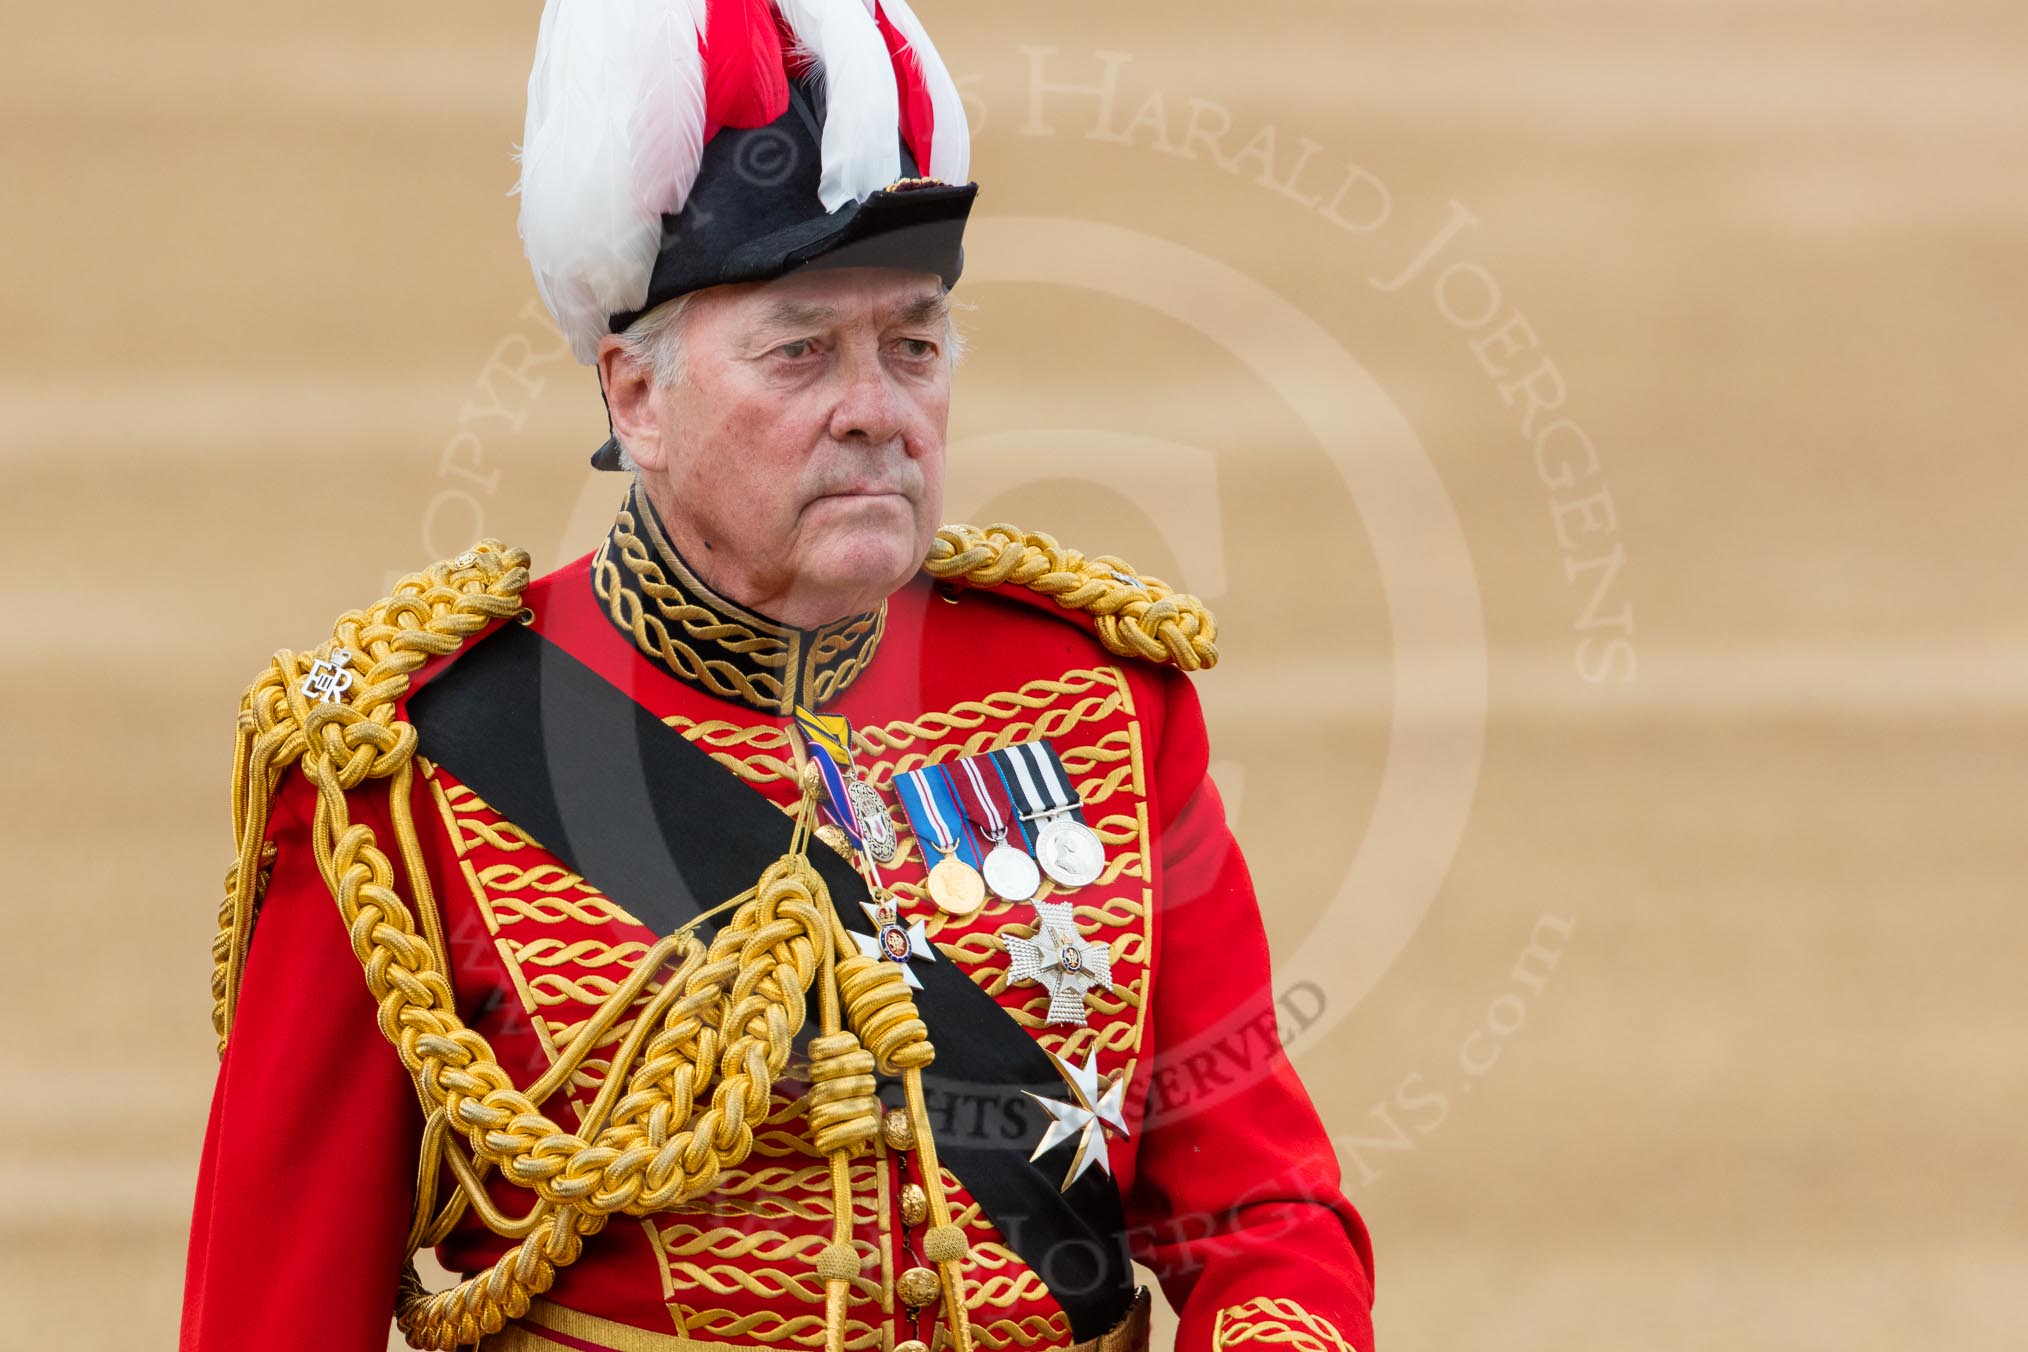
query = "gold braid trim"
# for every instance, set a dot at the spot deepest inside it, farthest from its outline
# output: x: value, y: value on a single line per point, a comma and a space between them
x: 697, y: 1065
x: 706, y: 640
x: 1271, y: 1321
x: 1136, y: 616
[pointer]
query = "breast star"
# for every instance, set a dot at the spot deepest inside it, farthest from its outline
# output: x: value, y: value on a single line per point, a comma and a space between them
x: 1084, y: 1118
x: 1061, y: 960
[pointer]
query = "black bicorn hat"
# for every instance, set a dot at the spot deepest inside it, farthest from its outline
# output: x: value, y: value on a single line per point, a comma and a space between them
x: 667, y: 152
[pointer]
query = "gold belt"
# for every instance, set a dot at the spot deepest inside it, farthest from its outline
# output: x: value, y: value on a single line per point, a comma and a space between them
x: 549, y: 1327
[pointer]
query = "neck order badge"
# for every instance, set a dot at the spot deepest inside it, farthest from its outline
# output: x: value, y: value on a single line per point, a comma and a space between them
x: 892, y: 940
x: 1068, y: 850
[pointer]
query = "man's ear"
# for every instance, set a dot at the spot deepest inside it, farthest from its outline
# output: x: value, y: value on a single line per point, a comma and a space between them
x: 630, y: 389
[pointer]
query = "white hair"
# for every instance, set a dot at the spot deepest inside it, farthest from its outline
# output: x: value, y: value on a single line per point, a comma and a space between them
x: 655, y: 341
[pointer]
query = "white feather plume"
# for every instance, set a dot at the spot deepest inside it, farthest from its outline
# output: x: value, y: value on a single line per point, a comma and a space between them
x: 861, y: 147
x: 951, y: 138
x: 614, y: 135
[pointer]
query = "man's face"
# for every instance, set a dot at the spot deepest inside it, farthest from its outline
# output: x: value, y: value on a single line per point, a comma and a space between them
x: 798, y: 464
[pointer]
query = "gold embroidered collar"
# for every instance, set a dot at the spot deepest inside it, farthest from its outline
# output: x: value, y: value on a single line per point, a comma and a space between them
x: 705, y: 640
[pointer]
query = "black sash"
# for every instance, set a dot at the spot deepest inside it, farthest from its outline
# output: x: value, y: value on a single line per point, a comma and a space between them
x: 651, y: 821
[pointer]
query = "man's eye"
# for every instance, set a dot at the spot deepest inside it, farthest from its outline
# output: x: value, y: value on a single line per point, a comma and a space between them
x: 800, y: 348
x: 918, y: 349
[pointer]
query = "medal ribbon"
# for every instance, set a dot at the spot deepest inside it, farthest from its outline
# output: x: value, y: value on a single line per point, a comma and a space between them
x: 947, y: 803
x: 1045, y: 788
x: 982, y: 793
x: 830, y: 737
x: 830, y: 733
x: 980, y: 801
x: 933, y: 815
x: 838, y: 805
x: 940, y: 831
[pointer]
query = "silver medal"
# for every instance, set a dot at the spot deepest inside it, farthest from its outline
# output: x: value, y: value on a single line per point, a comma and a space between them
x: 1011, y: 873
x: 876, y: 828
x: 1069, y: 851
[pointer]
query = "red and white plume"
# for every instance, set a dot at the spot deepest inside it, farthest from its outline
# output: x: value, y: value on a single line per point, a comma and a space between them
x: 624, y: 94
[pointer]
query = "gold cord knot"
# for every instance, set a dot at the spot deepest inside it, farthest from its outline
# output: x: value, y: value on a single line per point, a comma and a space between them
x: 844, y: 1109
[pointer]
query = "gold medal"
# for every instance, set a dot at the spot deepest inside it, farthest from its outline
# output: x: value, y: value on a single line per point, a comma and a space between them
x: 956, y: 886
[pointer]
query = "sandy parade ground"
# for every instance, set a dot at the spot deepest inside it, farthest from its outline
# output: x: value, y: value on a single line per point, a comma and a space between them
x: 1596, y: 424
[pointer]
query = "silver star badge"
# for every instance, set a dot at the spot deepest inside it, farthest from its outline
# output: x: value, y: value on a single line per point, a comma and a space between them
x: 1085, y: 1118
x: 1062, y: 960
x: 893, y: 941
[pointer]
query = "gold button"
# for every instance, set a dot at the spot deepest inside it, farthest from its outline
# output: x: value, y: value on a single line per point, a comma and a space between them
x: 834, y: 835
x: 918, y: 1287
x: 897, y: 1130
x: 912, y: 1345
x: 914, y: 1203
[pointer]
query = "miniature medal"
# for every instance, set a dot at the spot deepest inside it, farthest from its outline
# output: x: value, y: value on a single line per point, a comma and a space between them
x: 1085, y: 1118
x: 1008, y: 869
x: 954, y: 885
x: 1061, y: 959
x: 1068, y: 850
x: 892, y: 940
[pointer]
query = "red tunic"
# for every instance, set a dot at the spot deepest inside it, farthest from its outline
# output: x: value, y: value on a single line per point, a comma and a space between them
x: 1230, y: 1184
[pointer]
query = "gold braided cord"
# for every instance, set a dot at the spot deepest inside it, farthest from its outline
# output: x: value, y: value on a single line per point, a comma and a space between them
x: 694, y: 1073
x: 1136, y: 616
x: 428, y: 614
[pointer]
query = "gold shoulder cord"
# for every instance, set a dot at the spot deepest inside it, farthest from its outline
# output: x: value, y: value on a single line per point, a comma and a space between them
x: 1136, y: 616
x: 688, y: 1081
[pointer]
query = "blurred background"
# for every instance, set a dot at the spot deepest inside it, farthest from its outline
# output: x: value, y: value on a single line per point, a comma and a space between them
x: 1595, y: 423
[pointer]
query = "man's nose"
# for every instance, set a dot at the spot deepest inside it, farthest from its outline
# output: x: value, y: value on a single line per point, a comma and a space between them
x: 870, y: 410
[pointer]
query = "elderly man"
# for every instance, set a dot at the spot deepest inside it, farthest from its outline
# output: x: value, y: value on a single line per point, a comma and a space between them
x: 790, y: 925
